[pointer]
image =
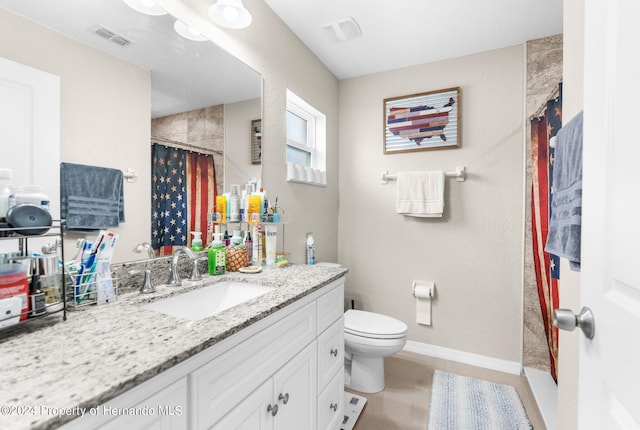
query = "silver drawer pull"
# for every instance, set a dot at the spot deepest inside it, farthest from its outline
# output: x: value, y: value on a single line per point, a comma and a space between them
x: 284, y: 398
x: 273, y: 409
x: 334, y: 352
x: 334, y: 406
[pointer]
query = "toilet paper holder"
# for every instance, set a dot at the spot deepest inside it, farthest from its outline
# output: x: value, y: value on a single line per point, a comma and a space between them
x: 430, y: 286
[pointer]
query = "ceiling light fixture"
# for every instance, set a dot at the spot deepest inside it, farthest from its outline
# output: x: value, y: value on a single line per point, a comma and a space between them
x: 148, y: 7
x: 188, y: 32
x: 230, y: 14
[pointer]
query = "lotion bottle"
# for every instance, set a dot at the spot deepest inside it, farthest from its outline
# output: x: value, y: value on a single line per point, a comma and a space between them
x: 234, y: 204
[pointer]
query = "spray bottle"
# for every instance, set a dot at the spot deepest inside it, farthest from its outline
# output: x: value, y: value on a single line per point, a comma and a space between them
x: 311, y: 249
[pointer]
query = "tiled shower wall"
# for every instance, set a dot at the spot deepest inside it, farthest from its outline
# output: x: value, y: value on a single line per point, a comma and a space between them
x: 544, y: 73
x: 202, y: 127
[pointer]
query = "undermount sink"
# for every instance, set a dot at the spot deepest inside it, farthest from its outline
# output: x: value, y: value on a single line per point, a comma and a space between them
x: 207, y: 301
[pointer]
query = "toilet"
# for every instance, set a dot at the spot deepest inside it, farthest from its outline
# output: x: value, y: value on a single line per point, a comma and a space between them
x: 368, y: 338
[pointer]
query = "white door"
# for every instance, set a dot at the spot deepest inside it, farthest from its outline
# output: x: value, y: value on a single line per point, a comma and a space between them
x: 609, y: 390
x: 30, y: 131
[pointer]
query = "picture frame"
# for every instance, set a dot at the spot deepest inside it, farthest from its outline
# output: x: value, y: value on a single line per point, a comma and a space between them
x: 422, y: 122
x: 256, y: 141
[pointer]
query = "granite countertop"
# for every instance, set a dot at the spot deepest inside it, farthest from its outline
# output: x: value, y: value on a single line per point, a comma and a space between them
x: 57, y: 367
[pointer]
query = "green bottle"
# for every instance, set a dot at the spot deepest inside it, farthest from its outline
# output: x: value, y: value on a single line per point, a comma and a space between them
x: 217, y: 256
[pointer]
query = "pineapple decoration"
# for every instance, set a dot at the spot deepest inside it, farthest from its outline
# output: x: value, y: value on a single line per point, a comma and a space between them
x: 237, y: 253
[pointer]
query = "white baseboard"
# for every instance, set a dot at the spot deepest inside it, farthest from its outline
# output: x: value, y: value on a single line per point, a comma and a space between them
x: 545, y: 391
x: 512, y: 367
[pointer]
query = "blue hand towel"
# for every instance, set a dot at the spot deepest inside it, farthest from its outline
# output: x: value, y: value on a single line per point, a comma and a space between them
x: 90, y: 197
x: 565, y: 224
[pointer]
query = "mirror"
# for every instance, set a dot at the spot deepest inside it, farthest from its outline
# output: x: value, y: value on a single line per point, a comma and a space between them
x: 193, y: 85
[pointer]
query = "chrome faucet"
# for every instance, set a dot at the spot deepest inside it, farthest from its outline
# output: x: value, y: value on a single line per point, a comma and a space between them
x: 195, y: 271
x: 174, y: 277
x: 145, y: 247
x: 146, y: 287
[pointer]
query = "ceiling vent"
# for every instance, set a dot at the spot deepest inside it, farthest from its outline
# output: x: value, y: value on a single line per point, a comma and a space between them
x: 111, y: 35
x: 342, y: 30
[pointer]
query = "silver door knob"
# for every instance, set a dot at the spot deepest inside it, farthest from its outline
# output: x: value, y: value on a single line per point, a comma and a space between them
x: 565, y: 319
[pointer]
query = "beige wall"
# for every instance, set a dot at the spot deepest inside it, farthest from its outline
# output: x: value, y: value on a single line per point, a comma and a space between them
x: 105, y: 113
x: 270, y: 48
x: 474, y: 253
x: 237, y: 119
x: 569, y: 289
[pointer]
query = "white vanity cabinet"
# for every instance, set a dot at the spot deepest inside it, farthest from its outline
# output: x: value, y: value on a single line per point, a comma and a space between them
x: 282, y: 372
x: 285, y: 401
x: 166, y: 409
x: 330, y: 359
x: 220, y: 385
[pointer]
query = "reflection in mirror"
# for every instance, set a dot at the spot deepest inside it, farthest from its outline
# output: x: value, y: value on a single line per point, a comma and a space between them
x: 202, y: 99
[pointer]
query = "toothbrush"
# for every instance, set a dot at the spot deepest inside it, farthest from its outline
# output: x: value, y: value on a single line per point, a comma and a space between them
x: 90, y: 264
x: 86, y: 245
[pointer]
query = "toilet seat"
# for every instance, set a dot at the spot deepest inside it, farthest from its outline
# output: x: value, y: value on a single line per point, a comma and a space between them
x: 373, y: 325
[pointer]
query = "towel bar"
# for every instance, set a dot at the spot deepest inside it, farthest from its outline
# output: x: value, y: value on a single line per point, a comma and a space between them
x: 130, y: 175
x: 459, y: 174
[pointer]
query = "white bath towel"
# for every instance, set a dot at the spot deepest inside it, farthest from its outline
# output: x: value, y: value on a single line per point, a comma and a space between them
x: 420, y: 194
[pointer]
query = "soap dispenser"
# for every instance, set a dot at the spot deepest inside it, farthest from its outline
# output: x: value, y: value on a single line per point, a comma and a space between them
x: 196, y: 242
x: 217, y: 255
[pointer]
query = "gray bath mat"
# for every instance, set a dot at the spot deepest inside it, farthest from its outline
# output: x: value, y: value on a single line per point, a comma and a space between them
x: 458, y: 402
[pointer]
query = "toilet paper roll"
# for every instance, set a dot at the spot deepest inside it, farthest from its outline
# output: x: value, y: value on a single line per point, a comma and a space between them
x: 423, y: 291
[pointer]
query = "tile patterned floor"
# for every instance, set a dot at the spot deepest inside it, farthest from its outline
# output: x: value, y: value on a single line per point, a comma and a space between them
x: 404, y: 403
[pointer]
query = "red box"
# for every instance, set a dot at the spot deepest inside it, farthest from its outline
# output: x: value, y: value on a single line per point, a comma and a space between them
x: 15, y: 284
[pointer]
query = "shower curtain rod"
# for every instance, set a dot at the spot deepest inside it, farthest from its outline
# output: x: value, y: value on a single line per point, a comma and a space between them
x: 543, y: 107
x: 187, y: 146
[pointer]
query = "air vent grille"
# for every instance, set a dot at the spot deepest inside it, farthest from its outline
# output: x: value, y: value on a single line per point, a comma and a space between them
x: 342, y: 30
x: 111, y: 35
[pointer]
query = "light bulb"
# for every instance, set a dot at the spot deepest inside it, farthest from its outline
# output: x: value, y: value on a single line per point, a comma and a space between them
x: 230, y: 13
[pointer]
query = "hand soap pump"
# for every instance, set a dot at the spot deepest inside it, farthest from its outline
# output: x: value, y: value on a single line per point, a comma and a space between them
x: 196, y: 242
x: 217, y: 255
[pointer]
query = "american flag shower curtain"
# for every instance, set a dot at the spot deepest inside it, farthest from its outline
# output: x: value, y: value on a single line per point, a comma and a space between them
x: 547, y: 266
x: 183, y: 192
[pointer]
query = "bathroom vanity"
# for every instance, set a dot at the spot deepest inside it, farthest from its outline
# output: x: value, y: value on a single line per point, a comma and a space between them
x: 272, y: 362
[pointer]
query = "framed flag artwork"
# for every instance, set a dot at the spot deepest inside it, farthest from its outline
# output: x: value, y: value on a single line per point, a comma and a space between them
x: 422, y: 122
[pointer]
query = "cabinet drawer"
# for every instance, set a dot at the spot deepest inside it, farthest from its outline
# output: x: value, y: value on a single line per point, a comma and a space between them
x: 167, y: 409
x: 330, y: 352
x: 331, y: 404
x: 222, y: 383
x: 330, y: 307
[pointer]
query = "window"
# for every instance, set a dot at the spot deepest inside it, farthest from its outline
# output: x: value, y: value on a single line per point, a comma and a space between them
x: 306, y: 142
